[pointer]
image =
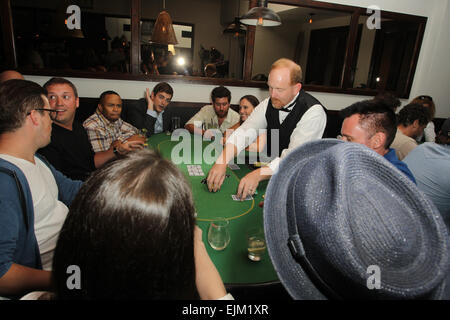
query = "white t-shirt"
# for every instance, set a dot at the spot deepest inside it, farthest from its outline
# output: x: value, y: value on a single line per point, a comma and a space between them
x: 49, y: 212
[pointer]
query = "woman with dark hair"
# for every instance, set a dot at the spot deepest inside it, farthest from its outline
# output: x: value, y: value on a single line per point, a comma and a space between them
x: 247, y: 104
x: 429, y: 134
x: 131, y: 232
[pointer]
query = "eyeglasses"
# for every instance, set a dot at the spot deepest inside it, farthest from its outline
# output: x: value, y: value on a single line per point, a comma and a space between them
x: 51, y: 112
x: 425, y: 98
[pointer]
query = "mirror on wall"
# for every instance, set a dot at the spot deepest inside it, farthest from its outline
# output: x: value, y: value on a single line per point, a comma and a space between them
x: 315, y: 38
x: 159, y: 59
x: 103, y: 43
x: 337, y: 52
x: 44, y: 42
x: 383, y: 59
x: 202, y: 41
x: 385, y: 55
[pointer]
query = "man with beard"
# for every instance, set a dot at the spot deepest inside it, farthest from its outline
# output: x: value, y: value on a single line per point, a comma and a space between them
x: 218, y: 115
x: 290, y: 112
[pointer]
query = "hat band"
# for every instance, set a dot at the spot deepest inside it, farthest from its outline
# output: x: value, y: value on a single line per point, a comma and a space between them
x: 297, y: 251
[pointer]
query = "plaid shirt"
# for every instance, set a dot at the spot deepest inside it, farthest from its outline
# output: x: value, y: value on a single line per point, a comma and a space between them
x: 103, y: 132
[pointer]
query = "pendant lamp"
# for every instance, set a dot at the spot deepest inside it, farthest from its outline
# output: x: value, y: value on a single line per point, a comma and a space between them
x: 163, y: 32
x: 236, y: 28
x: 261, y: 16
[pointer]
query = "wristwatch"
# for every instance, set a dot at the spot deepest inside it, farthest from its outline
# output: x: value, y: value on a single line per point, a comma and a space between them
x: 115, y: 151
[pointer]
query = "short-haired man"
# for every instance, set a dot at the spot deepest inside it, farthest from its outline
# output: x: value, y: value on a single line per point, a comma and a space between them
x: 412, y: 120
x: 105, y: 128
x: 152, y: 112
x: 217, y: 114
x: 373, y: 124
x: 10, y: 74
x: 430, y: 164
x: 70, y: 150
x: 298, y: 116
x: 34, y: 197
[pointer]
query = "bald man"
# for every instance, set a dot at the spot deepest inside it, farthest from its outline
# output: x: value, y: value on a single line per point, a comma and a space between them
x: 10, y: 74
x: 298, y: 117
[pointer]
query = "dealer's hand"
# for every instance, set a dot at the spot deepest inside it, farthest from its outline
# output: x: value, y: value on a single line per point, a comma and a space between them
x: 216, y: 176
x: 248, y: 184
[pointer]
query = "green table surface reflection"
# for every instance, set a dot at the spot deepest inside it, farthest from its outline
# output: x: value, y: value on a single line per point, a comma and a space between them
x: 232, y: 262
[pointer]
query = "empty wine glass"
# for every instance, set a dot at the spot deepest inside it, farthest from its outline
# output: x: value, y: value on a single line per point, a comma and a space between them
x: 218, y: 234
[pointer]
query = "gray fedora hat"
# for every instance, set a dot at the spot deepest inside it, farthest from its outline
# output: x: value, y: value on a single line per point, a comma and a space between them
x: 341, y: 222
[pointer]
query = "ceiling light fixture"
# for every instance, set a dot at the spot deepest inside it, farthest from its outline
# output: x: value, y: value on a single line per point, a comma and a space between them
x: 163, y: 32
x: 261, y: 16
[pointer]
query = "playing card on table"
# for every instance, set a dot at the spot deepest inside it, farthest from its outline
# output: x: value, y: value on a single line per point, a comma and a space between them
x: 195, y: 170
x: 235, y: 198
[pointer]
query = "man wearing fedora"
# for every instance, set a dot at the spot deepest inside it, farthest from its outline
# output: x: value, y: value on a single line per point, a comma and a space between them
x: 373, y: 124
x: 289, y: 111
x: 430, y: 163
x: 342, y: 223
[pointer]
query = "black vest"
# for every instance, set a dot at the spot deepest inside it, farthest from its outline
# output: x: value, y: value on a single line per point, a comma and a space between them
x: 303, y: 103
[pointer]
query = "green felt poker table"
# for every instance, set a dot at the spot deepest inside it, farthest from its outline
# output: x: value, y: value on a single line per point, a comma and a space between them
x: 232, y: 263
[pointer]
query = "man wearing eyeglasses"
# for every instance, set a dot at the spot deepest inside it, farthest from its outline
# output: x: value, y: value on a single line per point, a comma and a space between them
x: 296, y: 115
x: 70, y: 150
x: 34, y: 196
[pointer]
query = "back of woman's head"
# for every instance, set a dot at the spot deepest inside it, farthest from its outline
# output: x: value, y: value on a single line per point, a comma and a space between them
x: 130, y: 232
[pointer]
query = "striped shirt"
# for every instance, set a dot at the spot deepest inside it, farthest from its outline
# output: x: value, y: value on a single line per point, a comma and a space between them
x: 102, y: 132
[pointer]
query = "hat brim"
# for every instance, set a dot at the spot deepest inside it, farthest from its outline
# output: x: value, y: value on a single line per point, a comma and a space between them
x: 289, y: 271
x: 291, y: 274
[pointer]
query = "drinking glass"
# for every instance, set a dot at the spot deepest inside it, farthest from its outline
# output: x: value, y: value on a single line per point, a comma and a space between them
x: 256, y: 244
x: 218, y: 234
x: 211, y: 124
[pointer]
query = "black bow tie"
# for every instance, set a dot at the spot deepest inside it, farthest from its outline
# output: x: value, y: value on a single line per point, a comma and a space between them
x: 289, y: 107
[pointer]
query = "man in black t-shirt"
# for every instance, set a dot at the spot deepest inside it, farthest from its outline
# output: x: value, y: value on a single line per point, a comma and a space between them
x: 70, y: 150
